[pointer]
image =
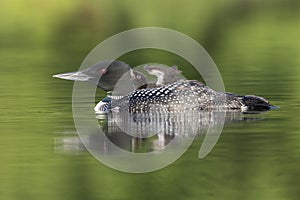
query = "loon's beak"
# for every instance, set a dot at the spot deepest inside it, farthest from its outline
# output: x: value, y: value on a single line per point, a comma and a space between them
x: 74, y: 76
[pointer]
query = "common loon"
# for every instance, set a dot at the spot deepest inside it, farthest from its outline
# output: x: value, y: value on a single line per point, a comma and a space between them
x: 164, y: 95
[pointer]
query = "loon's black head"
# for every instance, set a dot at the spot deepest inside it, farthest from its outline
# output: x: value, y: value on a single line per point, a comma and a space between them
x: 105, y: 74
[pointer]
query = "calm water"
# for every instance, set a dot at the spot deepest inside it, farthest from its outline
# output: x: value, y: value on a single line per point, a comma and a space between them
x: 256, y: 47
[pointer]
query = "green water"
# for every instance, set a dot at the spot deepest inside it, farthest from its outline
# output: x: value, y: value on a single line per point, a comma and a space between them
x: 255, y: 45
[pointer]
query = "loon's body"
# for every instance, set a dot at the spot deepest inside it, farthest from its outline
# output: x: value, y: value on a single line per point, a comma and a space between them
x: 186, y: 95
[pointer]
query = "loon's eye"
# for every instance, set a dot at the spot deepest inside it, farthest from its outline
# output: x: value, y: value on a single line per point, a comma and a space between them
x: 102, y: 71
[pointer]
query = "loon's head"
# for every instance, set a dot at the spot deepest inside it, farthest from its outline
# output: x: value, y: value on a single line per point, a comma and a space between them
x: 105, y: 74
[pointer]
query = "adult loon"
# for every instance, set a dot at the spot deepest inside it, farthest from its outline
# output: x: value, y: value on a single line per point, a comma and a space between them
x: 166, y: 95
x: 106, y: 74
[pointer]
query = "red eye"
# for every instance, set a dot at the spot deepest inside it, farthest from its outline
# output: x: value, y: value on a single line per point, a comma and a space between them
x: 102, y: 71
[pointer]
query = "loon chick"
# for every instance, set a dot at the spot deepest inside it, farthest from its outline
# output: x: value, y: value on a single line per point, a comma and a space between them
x: 187, y: 95
x: 106, y: 74
x: 164, y: 75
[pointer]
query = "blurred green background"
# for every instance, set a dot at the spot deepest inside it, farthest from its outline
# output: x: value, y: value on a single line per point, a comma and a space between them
x: 255, y: 44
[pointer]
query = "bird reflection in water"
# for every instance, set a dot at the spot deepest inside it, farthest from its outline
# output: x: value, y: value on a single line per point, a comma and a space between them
x: 148, y: 132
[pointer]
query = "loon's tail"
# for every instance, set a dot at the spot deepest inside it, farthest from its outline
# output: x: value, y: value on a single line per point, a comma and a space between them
x: 256, y: 103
